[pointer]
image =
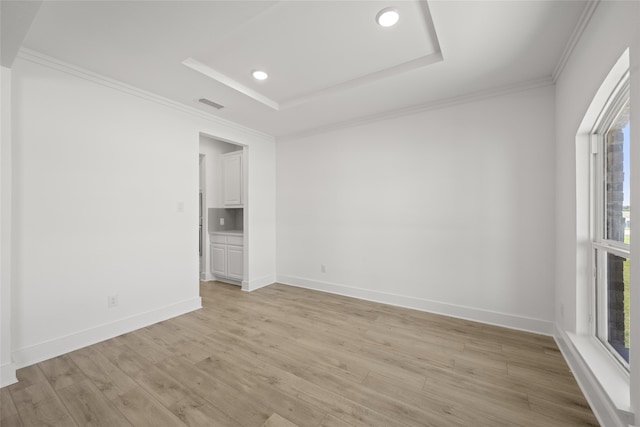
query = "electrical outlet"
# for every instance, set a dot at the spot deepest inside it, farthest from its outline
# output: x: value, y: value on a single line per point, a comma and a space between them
x: 112, y: 301
x: 221, y: 221
x: 323, y: 268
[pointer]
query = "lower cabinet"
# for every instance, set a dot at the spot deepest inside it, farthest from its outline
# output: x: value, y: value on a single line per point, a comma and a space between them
x: 227, y: 256
x: 235, y: 258
x: 219, y: 260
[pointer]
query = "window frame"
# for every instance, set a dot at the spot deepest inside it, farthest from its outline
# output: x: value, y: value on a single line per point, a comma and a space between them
x: 600, y: 244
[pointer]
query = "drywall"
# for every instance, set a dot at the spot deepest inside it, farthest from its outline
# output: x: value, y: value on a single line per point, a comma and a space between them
x: 7, y: 370
x: 611, y: 30
x: 106, y: 203
x: 448, y: 210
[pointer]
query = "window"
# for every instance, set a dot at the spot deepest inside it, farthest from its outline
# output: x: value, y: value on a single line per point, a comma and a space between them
x: 610, y: 223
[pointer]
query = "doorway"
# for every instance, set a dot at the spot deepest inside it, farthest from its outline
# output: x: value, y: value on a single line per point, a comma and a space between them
x: 222, y: 200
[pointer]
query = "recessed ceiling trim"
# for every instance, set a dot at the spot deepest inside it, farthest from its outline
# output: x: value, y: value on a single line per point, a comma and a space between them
x: 303, y: 98
x: 429, y: 26
x: 229, y: 82
x: 423, y: 61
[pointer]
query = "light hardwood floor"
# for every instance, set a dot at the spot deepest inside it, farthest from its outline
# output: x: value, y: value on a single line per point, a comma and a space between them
x: 283, y: 356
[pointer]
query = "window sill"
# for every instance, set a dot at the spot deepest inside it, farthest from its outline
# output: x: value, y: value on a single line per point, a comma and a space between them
x: 611, y: 377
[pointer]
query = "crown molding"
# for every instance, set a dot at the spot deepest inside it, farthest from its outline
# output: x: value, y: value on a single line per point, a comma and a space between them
x: 68, y: 68
x: 432, y: 105
x: 578, y: 30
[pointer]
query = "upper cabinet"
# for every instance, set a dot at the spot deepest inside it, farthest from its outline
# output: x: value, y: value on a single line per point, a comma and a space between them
x: 232, y: 179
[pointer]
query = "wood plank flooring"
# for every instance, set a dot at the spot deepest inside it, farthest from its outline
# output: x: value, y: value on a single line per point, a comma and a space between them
x: 284, y: 356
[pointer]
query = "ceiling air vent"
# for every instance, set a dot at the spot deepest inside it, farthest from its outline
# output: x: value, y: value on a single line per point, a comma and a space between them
x: 210, y: 103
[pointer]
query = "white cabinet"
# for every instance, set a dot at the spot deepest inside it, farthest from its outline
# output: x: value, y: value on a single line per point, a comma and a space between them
x: 227, y: 255
x: 232, y: 179
x: 218, y: 260
x: 235, y: 255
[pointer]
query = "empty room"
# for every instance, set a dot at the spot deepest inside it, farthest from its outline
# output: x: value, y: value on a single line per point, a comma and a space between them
x: 319, y: 213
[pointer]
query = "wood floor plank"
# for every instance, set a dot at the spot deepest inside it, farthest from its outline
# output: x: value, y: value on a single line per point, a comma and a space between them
x: 38, y: 404
x: 458, y: 386
x: 7, y: 407
x: 161, y: 386
x: 542, y: 376
x: 374, y: 399
x: 89, y: 407
x: 262, y: 388
x: 122, y: 356
x: 332, y: 421
x: 61, y: 372
x: 344, y: 409
x: 107, y: 377
x: 364, y: 359
x: 142, y: 410
x: 231, y: 343
x: 437, y: 406
x: 410, y: 340
x: 276, y: 420
x: 312, y: 358
x: 149, y: 349
x: 26, y: 377
x: 196, y: 412
x: 220, y: 395
x: 312, y: 394
x: 11, y: 421
x: 576, y: 415
x: 294, y: 355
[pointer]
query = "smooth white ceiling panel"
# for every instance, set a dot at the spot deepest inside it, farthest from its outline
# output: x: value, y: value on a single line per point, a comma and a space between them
x: 307, y: 48
x: 328, y: 61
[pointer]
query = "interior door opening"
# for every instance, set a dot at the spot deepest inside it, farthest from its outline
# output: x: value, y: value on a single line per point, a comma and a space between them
x: 223, y: 200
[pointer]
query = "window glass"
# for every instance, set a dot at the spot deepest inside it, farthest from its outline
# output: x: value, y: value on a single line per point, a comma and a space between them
x: 616, y: 311
x: 611, y: 234
x: 616, y: 174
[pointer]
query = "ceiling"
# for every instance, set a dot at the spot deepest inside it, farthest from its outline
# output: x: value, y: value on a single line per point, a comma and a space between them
x: 329, y: 62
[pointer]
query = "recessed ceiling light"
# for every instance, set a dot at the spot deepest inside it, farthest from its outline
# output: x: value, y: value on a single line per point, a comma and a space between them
x: 259, y: 75
x: 388, y: 17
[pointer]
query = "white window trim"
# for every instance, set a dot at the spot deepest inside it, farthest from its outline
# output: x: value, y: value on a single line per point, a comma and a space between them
x: 613, y: 379
x: 599, y: 243
x: 604, y: 382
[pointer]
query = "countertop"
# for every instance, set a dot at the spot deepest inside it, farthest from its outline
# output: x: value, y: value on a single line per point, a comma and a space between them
x: 228, y: 232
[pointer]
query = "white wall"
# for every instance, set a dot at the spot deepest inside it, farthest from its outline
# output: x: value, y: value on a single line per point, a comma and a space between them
x: 448, y: 211
x: 99, y: 172
x: 612, y: 28
x: 7, y: 370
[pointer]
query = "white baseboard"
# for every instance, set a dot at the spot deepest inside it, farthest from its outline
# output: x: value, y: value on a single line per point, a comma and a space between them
x: 601, y: 405
x: 258, y: 283
x: 8, y: 374
x: 511, y: 321
x: 37, y: 353
x: 207, y: 277
x: 226, y: 280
